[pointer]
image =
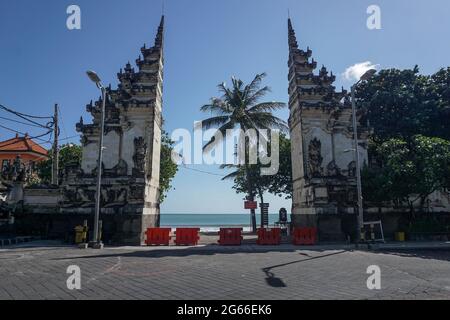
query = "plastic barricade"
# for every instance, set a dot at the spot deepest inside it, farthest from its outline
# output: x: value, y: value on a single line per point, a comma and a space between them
x: 158, y: 236
x: 269, y: 236
x: 187, y: 236
x: 304, y: 236
x: 230, y: 236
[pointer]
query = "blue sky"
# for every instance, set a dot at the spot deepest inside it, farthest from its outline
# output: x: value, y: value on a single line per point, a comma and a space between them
x: 207, y: 42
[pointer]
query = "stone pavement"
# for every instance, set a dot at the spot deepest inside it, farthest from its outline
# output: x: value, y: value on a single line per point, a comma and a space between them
x: 38, y: 271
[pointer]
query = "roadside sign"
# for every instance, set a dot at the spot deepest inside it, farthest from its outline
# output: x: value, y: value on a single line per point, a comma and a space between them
x: 248, y: 205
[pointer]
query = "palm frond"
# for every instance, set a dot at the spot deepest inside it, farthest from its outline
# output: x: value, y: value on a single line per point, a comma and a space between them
x: 217, y: 106
x: 228, y: 166
x: 253, y: 98
x: 255, y: 84
x: 227, y: 93
x: 268, y: 120
x: 215, y: 121
x: 231, y: 175
x: 267, y: 107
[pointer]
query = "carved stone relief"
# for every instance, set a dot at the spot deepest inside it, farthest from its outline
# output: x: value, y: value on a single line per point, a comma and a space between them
x: 315, y: 158
x: 352, y: 169
x: 332, y: 169
x: 140, y: 149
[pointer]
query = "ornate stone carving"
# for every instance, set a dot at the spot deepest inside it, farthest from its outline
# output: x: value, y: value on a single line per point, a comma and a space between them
x: 140, y: 149
x: 78, y: 196
x: 120, y: 169
x: 115, y: 128
x: 136, y: 192
x: 315, y: 158
x: 111, y: 196
x: 85, y: 141
x: 94, y: 171
x: 332, y: 169
x: 352, y: 169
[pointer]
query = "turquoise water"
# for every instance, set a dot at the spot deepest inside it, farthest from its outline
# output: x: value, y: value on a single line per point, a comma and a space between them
x: 211, y: 222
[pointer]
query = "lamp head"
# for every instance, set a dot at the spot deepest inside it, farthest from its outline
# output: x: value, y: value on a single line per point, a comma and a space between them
x: 94, y: 78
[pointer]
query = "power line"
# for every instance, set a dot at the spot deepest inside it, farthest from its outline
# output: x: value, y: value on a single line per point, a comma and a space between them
x: 23, y: 114
x: 17, y: 121
x: 62, y: 122
x: 201, y: 171
x: 21, y: 133
x: 68, y: 138
x: 26, y: 116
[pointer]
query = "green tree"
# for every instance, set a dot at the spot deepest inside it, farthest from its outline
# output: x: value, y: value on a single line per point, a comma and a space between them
x: 250, y: 177
x: 439, y: 87
x: 399, y: 104
x: 240, y: 107
x: 410, y: 171
x: 410, y: 117
x: 68, y: 154
x: 280, y: 183
x: 168, y: 169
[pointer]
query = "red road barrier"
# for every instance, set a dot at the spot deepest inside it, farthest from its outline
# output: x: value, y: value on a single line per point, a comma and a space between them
x: 158, y: 236
x: 304, y: 236
x: 187, y: 236
x: 230, y: 236
x: 269, y: 236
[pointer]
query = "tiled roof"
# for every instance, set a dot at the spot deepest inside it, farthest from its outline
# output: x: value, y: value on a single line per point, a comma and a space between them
x: 22, y: 144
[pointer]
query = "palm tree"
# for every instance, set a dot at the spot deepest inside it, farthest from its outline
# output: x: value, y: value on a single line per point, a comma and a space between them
x: 239, y: 107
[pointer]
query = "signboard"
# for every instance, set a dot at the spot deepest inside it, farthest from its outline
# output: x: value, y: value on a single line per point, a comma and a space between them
x: 248, y: 205
x: 264, y: 214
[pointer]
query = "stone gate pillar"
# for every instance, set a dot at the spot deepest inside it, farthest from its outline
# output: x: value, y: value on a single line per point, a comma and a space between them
x: 132, y: 144
x: 323, y: 165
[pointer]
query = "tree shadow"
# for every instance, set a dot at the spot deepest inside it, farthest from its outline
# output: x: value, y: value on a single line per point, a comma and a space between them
x: 271, y: 279
x: 442, y: 254
x: 274, y: 281
x: 207, y: 250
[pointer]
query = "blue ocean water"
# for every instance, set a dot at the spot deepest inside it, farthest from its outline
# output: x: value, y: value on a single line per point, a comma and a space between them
x: 211, y: 222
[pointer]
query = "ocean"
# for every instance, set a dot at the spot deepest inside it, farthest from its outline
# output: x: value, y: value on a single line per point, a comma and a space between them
x: 212, y: 222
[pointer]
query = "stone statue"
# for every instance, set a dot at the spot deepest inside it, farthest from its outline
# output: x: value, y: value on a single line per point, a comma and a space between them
x: 352, y: 169
x: 121, y: 168
x: 315, y: 158
x: 140, y: 149
x: 333, y: 169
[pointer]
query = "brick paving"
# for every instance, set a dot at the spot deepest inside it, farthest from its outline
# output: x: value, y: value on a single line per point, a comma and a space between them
x: 38, y: 271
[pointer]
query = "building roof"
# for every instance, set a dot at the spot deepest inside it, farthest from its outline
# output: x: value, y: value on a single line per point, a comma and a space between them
x: 22, y: 144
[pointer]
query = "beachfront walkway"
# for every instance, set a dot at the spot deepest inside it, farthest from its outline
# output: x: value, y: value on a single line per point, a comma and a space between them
x: 38, y: 271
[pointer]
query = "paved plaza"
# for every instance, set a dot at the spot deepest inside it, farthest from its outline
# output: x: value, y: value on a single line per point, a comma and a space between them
x: 39, y: 271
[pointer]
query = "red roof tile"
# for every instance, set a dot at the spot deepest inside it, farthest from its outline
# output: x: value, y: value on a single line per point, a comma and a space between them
x: 22, y: 144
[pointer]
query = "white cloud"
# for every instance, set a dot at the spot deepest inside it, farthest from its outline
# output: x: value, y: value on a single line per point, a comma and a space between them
x: 354, y: 73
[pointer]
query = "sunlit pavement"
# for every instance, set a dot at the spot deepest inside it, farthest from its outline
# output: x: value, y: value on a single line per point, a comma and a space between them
x: 39, y: 271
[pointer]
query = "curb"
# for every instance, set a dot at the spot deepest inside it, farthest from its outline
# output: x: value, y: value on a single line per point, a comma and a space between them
x: 15, y: 240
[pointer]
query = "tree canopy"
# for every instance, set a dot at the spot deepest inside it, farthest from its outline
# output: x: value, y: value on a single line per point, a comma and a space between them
x: 404, y: 103
x: 409, y: 148
x: 168, y: 169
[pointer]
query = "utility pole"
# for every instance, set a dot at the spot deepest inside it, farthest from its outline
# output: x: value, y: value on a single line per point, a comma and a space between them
x: 55, y: 162
x: 360, y: 217
x: 360, y: 214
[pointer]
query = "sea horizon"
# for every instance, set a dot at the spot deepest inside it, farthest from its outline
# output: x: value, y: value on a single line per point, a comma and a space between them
x: 212, y: 222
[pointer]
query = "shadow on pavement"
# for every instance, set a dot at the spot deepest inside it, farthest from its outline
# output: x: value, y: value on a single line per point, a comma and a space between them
x: 433, y: 254
x: 273, y: 281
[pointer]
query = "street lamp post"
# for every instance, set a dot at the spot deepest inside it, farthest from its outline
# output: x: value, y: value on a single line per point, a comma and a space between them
x: 96, y: 242
x: 360, y: 218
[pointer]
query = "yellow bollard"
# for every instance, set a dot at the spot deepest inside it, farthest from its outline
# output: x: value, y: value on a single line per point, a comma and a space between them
x: 400, y: 236
x: 79, y: 234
